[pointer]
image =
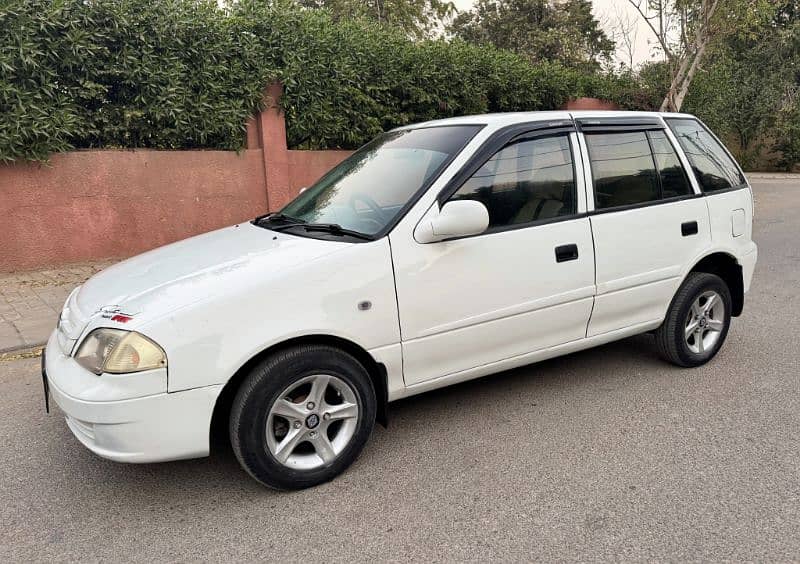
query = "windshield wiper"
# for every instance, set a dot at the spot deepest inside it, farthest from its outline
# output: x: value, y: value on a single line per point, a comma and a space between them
x: 278, y: 216
x: 333, y: 228
x: 289, y: 222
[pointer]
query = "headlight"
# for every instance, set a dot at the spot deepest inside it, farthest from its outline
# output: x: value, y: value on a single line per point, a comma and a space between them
x: 117, y: 351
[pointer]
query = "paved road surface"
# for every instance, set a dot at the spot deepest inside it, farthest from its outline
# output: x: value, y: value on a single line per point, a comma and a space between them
x: 606, y: 454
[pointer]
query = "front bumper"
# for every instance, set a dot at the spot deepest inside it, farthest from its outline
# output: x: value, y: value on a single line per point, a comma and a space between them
x: 155, y: 428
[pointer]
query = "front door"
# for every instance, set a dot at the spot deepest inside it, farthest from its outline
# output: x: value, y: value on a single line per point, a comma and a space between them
x: 524, y: 285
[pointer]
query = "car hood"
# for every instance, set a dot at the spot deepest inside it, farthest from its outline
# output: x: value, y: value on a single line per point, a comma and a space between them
x: 195, y: 269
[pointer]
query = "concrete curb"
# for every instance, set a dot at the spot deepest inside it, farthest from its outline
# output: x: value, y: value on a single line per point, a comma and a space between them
x: 773, y: 175
x: 19, y: 353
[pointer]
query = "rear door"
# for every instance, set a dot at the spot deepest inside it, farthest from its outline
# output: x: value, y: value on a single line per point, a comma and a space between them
x: 648, y: 223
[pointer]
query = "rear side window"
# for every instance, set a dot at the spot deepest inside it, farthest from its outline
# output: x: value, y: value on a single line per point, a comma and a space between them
x: 674, y: 182
x: 712, y: 166
x: 526, y: 181
x: 623, y: 170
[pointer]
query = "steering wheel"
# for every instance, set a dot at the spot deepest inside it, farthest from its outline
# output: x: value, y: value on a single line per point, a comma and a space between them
x: 371, y: 204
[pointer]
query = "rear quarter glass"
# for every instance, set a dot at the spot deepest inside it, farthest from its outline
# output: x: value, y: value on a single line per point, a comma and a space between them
x: 713, y: 166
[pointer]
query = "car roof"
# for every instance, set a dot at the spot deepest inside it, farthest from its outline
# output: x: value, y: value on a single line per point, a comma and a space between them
x: 510, y: 118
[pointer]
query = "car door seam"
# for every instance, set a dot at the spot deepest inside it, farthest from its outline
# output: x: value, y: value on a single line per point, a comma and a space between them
x: 397, y: 309
x: 450, y: 327
x: 594, y: 293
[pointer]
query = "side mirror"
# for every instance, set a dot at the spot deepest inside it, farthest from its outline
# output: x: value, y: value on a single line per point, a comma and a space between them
x: 458, y: 218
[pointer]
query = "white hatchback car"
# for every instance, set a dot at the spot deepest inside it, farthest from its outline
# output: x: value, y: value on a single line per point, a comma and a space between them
x: 436, y: 253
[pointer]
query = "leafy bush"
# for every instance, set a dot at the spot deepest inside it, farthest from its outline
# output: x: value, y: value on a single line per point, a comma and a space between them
x: 124, y: 73
x: 643, y: 90
x: 788, y: 135
x: 737, y: 101
x: 345, y: 83
x: 179, y: 74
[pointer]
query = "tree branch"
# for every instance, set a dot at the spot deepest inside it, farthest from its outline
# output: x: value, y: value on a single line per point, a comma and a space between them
x: 662, y: 40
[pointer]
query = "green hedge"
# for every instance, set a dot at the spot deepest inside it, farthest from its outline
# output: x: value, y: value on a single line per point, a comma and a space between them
x: 344, y: 83
x: 179, y: 74
x: 788, y: 136
x: 123, y: 73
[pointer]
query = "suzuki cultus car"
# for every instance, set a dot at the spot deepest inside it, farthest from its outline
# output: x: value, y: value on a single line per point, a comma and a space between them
x: 436, y: 253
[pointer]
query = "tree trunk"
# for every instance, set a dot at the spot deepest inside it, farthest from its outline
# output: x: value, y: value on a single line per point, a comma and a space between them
x: 677, y: 102
x: 668, y: 105
x: 690, y: 61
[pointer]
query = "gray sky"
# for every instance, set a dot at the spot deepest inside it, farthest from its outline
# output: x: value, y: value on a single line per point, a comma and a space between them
x: 610, y: 11
x: 607, y: 11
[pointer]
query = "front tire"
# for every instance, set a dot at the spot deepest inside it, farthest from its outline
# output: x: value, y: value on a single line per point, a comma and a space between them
x: 697, y: 321
x: 302, y: 416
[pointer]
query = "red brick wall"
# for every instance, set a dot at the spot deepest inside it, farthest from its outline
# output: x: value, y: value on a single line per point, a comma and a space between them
x: 590, y: 104
x: 89, y: 205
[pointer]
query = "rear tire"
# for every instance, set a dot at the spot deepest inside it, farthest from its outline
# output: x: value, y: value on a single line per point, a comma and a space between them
x: 697, y: 321
x: 302, y: 416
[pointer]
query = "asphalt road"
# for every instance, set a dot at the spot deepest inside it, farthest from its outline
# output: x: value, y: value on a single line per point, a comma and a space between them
x: 606, y: 454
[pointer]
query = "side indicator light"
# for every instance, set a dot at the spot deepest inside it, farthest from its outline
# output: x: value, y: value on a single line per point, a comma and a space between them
x: 121, y: 318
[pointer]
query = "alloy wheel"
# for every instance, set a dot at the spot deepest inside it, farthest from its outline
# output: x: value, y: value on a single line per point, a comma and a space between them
x: 312, y: 422
x: 705, y: 322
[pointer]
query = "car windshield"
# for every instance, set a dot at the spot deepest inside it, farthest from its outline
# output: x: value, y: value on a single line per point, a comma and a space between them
x: 368, y: 190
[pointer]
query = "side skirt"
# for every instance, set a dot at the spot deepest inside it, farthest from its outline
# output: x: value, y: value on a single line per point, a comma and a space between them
x: 522, y: 360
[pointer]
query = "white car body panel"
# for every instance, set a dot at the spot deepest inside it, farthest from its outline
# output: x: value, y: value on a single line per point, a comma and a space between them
x: 275, y: 305
x: 246, y: 277
x: 490, y: 297
x: 641, y: 257
x: 437, y: 313
x: 524, y: 359
x: 726, y: 210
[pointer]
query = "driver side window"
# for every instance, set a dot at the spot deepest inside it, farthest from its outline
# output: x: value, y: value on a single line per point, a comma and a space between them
x: 526, y: 181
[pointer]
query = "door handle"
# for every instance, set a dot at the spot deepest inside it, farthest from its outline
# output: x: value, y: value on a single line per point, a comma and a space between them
x: 566, y: 252
x: 689, y: 228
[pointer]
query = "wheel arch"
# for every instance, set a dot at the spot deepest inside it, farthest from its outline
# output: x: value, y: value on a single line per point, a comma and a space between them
x: 728, y: 268
x: 376, y: 370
